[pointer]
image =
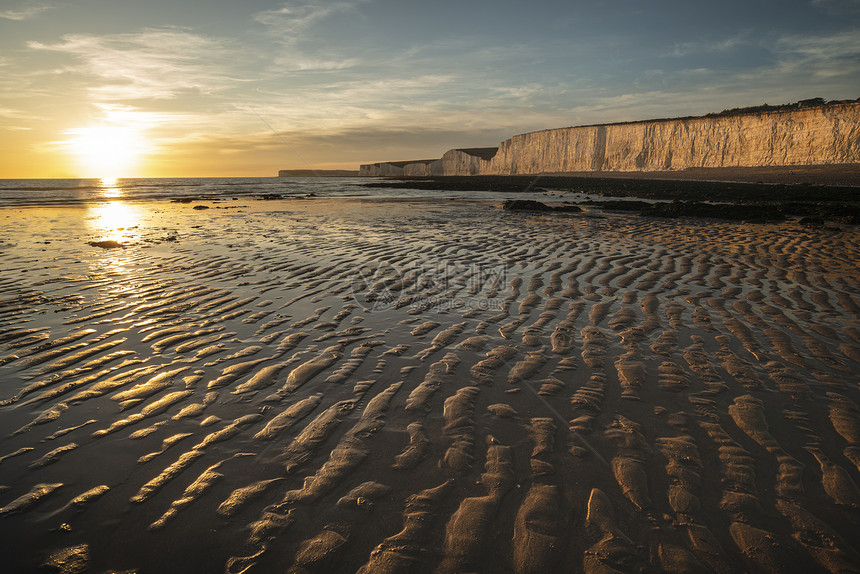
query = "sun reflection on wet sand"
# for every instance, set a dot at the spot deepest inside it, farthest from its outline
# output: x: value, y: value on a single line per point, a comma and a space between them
x: 115, y: 221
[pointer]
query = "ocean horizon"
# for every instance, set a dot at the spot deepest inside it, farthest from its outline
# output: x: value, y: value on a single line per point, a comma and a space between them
x: 58, y: 192
x: 84, y: 190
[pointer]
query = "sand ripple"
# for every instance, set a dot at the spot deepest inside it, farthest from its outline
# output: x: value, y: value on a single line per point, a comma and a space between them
x: 429, y: 388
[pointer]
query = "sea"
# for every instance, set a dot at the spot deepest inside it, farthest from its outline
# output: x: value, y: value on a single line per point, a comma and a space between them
x: 54, y: 192
x: 33, y: 192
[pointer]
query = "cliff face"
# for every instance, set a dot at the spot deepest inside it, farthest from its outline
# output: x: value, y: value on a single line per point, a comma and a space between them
x: 807, y: 136
x: 463, y: 162
x: 419, y: 167
x: 821, y: 135
x: 454, y: 162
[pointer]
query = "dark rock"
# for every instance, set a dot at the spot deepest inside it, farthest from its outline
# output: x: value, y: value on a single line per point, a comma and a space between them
x: 525, y: 205
x: 198, y: 207
x: 624, y: 205
x: 734, y: 212
x: 632, y: 187
x: 530, y: 205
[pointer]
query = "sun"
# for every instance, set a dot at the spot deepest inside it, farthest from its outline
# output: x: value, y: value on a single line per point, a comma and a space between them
x: 106, y: 152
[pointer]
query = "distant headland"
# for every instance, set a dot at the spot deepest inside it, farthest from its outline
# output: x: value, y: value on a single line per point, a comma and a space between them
x: 806, y: 133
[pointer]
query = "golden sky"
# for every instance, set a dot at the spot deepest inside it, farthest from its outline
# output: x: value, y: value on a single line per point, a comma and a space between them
x: 125, y: 88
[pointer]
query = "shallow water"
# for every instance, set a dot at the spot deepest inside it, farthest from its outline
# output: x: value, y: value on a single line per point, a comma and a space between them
x: 48, y: 192
x: 525, y: 392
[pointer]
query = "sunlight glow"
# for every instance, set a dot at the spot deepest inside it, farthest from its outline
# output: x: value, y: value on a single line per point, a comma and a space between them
x: 111, y: 188
x: 116, y: 221
x: 107, y: 152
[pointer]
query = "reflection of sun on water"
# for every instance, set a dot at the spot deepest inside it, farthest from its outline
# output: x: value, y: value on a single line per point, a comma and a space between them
x: 114, y: 221
x: 110, y: 187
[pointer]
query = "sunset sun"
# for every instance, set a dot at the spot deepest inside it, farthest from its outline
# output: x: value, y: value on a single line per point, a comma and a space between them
x: 106, y: 152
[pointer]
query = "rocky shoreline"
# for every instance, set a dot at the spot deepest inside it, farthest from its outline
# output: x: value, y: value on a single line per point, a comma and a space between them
x: 690, y: 198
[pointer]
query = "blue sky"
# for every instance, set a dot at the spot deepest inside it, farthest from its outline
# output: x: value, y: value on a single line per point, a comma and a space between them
x: 193, y: 88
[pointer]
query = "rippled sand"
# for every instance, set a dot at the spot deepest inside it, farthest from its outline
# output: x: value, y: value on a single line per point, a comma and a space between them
x: 349, y: 386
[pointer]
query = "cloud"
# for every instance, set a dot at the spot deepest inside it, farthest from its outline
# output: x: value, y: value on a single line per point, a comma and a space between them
x: 313, y: 64
x: 838, y: 7
x: 159, y: 63
x: 138, y: 118
x: 298, y: 46
x: 293, y: 18
x: 797, y: 51
x: 334, y: 101
x: 821, y: 47
x: 750, y: 69
x: 430, y: 104
x: 16, y: 114
x: 734, y: 42
x: 804, y: 58
x: 25, y: 12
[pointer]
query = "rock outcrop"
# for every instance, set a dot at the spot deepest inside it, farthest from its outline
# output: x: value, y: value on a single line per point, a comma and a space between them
x: 783, y: 136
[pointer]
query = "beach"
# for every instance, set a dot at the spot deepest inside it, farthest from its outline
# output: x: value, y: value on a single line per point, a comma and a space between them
x: 370, y: 384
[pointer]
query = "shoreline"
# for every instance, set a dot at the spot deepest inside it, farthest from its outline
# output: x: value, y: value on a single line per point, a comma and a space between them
x: 810, y: 205
x: 818, y: 176
x: 749, y: 200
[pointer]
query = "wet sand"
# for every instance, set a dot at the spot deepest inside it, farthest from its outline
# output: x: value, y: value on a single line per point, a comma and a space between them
x: 368, y: 386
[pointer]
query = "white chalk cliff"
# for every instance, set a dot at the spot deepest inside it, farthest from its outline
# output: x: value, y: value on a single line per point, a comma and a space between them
x: 816, y: 135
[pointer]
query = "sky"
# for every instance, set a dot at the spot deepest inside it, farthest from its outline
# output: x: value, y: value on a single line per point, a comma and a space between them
x: 198, y: 88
